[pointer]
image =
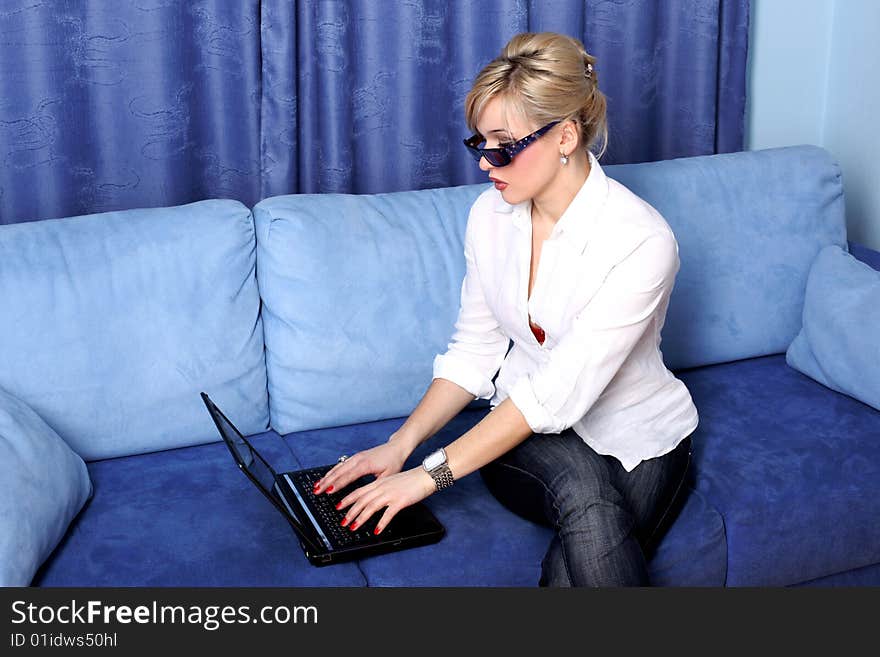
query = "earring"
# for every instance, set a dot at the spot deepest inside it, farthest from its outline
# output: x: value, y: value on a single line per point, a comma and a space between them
x: 563, y: 159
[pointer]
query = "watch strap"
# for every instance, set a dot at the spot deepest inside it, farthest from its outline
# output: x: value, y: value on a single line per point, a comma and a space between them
x: 442, y: 477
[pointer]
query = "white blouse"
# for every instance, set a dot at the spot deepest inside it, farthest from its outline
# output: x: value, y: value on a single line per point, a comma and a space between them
x: 600, y: 294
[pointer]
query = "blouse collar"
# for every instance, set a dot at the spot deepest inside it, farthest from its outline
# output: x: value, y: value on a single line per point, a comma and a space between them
x: 580, y: 217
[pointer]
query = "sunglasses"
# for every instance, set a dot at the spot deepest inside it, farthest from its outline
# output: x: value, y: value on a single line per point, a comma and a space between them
x: 503, y: 155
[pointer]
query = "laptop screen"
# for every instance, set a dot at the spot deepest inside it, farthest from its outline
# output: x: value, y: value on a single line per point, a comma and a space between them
x: 255, y: 467
x: 248, y: 457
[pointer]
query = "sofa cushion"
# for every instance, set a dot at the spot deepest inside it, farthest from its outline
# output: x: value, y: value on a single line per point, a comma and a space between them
x: 488, y: 545
x: 359, y: 294
x: 186, y: 517
x: 43, y: 485
x: 113, y: 323
x: 839, y: 344
x: 793, y: 468
x: 748, y: 226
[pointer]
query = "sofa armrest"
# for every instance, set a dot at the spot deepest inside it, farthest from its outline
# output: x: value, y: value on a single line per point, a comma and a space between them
x: 863, y: 253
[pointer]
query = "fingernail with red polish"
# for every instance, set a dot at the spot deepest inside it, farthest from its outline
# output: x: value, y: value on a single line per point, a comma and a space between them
x: 376, y: 531
x: 353, y: 526
x: 330, y: 489
x: 344, y: 520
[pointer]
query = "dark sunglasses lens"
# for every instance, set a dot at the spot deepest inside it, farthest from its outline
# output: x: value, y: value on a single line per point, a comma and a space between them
x: 475, y: 152
x: 494, y: 157
x: 497, y: 158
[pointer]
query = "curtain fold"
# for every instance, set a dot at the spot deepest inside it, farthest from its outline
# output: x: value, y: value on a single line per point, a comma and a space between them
x: 733, y: 46
x: 105, y: 106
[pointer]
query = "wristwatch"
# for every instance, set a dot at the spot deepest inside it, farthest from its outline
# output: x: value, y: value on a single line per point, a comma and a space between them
x: 435, y: 464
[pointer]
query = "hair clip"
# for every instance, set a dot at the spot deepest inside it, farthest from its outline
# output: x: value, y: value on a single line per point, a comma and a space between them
x: 588, y: 71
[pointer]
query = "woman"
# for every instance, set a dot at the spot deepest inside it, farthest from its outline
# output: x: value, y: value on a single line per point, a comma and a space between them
x: 589, y: 432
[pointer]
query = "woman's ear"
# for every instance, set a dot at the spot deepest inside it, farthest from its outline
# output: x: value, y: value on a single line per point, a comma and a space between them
x: 570, y: 138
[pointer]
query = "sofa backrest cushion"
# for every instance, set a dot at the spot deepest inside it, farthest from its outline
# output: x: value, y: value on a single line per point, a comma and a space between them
x: 114, y: 322
x: 360, y: 292
x: 748, y: 227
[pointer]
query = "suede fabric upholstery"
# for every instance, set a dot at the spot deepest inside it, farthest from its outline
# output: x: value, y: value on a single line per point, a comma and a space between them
x: 358, y: 294
x: 792, y: 467
x: 839, y: 344
x: 114, y: 322
x: 488, y: 545
x: 748, y: 226
x: 781, y: 491
x: 867, y: 576
x: 784, y: 488
x: 864, y: 254
x: 185, y: 517
x: 43, y: 485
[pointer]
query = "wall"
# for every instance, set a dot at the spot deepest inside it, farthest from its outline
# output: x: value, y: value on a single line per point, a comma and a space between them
x: 852, y: 110
x: 789, y: 42
x: 811, y: 80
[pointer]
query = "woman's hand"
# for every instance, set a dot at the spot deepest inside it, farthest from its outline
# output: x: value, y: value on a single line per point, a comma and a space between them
x: 393, y: 493
x: 382, y: 461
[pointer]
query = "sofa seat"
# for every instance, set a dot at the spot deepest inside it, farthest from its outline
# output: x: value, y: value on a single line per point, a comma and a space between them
x: 184, y: 517
x: 794, y: 469
x: 795, y: 515
x: 187, y: 517
x: 488, y: 545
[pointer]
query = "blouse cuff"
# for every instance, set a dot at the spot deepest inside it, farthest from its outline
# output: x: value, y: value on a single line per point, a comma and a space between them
x: 539, y: 420
x: 448, y: 366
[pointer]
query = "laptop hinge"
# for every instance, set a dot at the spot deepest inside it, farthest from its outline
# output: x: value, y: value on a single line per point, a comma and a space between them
x: 306, y: 525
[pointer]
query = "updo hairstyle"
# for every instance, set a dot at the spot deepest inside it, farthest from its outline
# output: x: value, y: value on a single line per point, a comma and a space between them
x: 547, y: 77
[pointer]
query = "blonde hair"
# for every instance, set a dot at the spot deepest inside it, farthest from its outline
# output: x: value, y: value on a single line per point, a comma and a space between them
x: 548, y: 77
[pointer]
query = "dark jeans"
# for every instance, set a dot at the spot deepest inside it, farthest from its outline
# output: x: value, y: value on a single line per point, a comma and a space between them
x: 605, y: 517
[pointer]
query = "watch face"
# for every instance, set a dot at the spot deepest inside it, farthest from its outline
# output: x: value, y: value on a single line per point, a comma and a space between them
x: 434, y: 459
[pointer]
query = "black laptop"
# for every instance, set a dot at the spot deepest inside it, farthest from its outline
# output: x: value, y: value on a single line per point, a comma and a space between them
x: 314, y: 518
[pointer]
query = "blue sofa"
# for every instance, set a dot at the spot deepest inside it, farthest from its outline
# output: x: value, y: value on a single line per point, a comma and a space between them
x: 313, y: 320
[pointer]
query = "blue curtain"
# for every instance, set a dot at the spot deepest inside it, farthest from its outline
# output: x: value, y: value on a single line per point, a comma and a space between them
x: 108, y: 105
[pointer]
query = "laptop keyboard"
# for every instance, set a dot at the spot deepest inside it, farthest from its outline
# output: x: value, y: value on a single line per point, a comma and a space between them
x: 323, y: 507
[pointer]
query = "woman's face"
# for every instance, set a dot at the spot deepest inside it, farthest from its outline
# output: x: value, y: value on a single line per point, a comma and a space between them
x: 533, y: 168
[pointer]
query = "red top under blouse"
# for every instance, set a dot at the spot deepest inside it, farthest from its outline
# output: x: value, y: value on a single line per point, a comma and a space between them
x: 538, y: 332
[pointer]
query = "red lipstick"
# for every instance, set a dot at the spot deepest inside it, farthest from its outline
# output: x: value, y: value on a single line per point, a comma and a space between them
x: 500, y: 185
